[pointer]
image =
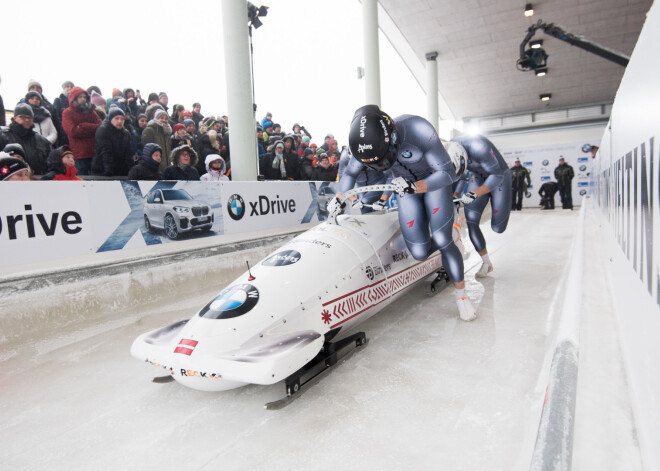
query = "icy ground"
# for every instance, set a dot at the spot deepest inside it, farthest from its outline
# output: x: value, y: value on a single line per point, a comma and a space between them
x: 428, y: 392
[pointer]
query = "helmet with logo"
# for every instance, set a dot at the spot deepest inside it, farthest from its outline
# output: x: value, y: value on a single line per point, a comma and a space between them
x: 458, y: 156
x: 372, y: 138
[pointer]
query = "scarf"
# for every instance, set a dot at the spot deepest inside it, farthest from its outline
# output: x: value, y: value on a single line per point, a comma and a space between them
x: 278, y: 161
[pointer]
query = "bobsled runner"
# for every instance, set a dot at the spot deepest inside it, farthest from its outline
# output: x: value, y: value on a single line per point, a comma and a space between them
x: 295, y: 313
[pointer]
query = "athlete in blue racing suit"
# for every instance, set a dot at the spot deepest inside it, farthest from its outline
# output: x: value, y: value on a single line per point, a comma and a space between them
x: 490, y: 181
x: 410, y: 149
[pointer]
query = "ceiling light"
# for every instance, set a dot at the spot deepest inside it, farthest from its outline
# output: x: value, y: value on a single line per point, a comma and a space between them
x: 536, y: 44
x: 529, y: 10
x: 541, y: 72
x: 545, y: 96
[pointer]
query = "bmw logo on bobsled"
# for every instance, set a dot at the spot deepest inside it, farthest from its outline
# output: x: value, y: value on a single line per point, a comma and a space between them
x: 274, y: 321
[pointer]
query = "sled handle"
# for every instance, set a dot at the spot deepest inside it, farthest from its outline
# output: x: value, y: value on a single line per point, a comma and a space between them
x: 363, y: 189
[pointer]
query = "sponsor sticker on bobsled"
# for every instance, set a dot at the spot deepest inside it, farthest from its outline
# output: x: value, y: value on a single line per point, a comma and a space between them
x: 232, y: 302
x: 281, y: 259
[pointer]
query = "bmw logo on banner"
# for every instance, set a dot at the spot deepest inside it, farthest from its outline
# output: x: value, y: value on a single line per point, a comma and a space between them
x: 232, y: 302
x: 236, y: 207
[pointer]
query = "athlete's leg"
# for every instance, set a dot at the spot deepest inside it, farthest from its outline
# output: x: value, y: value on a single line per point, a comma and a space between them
x: 369, y: 198
x: 415, y: 226
x: 473, y: 212
x: 500, y: 204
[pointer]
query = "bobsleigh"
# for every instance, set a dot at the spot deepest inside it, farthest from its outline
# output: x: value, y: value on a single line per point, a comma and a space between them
x: 295, y: 313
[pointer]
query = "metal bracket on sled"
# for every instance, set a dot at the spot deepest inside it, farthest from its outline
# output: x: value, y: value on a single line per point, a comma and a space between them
x: 364, y: 189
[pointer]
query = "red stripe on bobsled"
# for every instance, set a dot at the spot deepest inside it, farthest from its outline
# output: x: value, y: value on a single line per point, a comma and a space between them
x: 184, y: 350
x: 192, y: 343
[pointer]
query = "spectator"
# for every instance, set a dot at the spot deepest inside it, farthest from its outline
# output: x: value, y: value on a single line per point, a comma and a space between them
x: 291, y: 158
x: 277, y: 131
x: 209, y: 143
x: 268, y: 129
x: 197, y: 115
x: 564, y: 174
x: 326, y: 145
x: 43, y: 123
x: 184, y: 160
x: 332, y: 146
x: 3, y: 119
x: 274, y: 165
x: 225, y: 150
x: 215, y: 169
x: 34, y: 86
x: 141, y: 125
x: 261, y: 149
x: 12, y: 169
x: 181, y: 137
x: 306, y: 165
x: 520, y: 180
x: 334, y: 157
x: 99, y: 105
x: 136, y: 143
x: 20, y: 131
x: 267, y: 119
x: 152, y: 100
x: 80, y: 123
x: 177, y: 115
x: 304, y: 144
x: 15, y: 150
x: 59, y: 105
x: 191, y: 129
x: 298, y: 129
x: 148, y: 166
x: 220, y: 126
x: 114, y: 156
x: 159, y: 131
x: 131, y: 101
x: 163, y: 99
x: 152, y: 109
x: 325, y: 171
x: 61, y: 165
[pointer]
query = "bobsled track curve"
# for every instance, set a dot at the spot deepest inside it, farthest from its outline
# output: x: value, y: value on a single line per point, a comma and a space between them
x: 428, y: 392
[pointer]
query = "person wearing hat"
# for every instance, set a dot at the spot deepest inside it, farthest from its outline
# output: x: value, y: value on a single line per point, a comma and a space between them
x: 564, y: 175
x: 519, y: 182
x: 215, y: 169
x: 184, y: 161
x: 114, y: 154
x: 13, y: 169
x: 163, y: 99
x: 43, y: 123
x: 261, y: 149
x: 80, y: 123
x: 59, y: 105
x: 307, y: 165
x: 274, y: 167
x: 291, y: 158
x: 61, y: 165
x: 20, y: 131
x: 159, y: 132
x: 209, y: 143
x: 177, y: 115
x: 326, y: 144
x: 148, y: 167
x: 298, y: 129
x: 181, y: 137
x: 324, y: 170
x: 15, y: 150
x: 266, y: 119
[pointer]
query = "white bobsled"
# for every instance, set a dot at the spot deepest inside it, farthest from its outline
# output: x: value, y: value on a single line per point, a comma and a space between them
x: 273, y: 320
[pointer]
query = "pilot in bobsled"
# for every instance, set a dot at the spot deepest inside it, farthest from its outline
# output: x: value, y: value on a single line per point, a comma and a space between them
x: 424, y: 174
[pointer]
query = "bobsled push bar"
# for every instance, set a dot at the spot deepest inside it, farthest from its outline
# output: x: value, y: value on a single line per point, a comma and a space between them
x: 363, y: 189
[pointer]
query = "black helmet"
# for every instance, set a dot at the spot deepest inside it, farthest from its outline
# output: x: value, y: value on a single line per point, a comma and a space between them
x: 372, y: 138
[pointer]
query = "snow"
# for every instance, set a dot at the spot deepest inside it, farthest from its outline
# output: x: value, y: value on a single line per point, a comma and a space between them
x: 428, y: 392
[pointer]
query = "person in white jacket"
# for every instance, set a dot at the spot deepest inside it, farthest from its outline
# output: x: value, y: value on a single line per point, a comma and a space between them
x: 43, y: 122
x: 215, y: 168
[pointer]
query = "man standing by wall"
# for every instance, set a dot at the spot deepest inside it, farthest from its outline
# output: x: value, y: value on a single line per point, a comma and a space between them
x: 564, y: 175
x: 519, y: 182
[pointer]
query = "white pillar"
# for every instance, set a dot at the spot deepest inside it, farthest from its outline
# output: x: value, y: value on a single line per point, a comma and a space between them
x: 432, y: 112
x: 371, y: 52
x: 242, y: 132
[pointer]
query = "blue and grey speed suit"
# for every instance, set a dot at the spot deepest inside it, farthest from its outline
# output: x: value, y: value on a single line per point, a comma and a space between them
x: 487, y: 167
x: 421, y: 156
x: 366, y: 177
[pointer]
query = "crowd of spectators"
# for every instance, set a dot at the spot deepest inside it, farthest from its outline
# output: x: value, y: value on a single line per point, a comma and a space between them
x: 82, y: 133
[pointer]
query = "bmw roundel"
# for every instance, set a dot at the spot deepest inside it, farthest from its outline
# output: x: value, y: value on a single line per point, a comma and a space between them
x: 236, y: 207
x: 546, y: 162
x: 583, y: 168
x: 232, y: 302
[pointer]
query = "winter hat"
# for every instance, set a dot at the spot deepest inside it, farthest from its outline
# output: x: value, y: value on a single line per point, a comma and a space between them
x: 14, y: 148
x: 120, y: 105
x: 187, y: 114
x: 160, y: 113
x: 305, y: 139
x: 320, y: 151
x: 149, y: 150
x: 23, y: 109
x: 115, y: 111
x: 66, y: 83
x: 34, y: 83
x: 279, y: 144
x: 153, y: 97
x: 65, y: 150
x: 10, y: 166
x: 330, y: 136
x: 178, y: 126
x: 259, y: 128
x: 141, y: 115
x: 33, y: 94
x: 162, y: 94
x: 307, y: 152
x: 116, y: 91
x: 96, y: 99
x: 188, y: 122
x: 212, y: 158
x: 517, y: 159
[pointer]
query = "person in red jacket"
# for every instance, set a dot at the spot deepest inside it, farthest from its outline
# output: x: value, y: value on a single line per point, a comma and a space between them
x: 61, y: 165
x: 80, y: 123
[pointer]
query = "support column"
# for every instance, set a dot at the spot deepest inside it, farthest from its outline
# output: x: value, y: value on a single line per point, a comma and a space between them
x: 371, y: 52
x: 239, y: 91
x: 432, y: 112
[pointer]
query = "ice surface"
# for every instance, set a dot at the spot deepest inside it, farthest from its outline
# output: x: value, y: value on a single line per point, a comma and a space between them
x: 428, y: 392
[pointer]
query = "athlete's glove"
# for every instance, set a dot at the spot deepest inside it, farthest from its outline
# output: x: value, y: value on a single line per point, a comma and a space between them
x: 379, y: 205
x: 335, y: 206
x: 401, y: 186
x: 357, y: 203
x: 468, y: 198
